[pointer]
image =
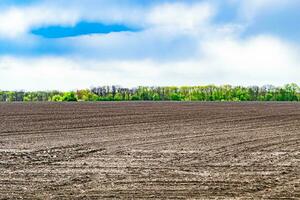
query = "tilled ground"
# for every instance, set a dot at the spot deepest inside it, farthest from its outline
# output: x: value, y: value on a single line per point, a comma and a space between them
x: 159, y: 150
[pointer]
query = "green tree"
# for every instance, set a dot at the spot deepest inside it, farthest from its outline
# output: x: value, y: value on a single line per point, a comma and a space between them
x: 69, y: 96
x: 175, y: 97
x: 56, y: 98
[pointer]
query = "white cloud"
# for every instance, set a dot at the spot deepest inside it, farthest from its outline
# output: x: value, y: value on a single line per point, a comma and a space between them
x: 148, y: 44
x: 250, y: 9
x: 47, y: 73
x: 260, y: 60
x: 180, y: 15
x: 15, y: 22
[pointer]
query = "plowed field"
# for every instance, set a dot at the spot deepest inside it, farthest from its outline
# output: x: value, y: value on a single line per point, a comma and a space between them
x: 159, y: 150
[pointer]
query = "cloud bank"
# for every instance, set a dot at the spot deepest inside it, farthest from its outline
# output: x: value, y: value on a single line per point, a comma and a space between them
x: 177, y: 43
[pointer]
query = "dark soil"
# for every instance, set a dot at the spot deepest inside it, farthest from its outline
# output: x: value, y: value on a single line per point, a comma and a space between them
x: 158, y: 150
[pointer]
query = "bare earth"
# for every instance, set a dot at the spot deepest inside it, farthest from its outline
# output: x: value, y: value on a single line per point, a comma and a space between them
x: 159, y: 150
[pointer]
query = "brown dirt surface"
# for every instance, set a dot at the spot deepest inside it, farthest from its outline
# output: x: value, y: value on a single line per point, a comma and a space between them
x: 150, y: 150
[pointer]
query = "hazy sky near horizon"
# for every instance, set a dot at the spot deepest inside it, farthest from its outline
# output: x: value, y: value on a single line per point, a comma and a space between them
x: 66, y: 45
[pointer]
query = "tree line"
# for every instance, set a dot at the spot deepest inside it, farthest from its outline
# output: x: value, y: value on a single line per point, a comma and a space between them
x: 289, y: 92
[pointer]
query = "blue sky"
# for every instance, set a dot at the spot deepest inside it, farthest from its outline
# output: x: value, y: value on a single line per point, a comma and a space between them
x: 65, y: 45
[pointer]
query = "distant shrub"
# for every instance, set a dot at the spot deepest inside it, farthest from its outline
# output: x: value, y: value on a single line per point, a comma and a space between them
x: 156, y: 97
x: 175, y: 97
x: 69, y: 96
x: 56, y: 98
x: 135, y: 98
